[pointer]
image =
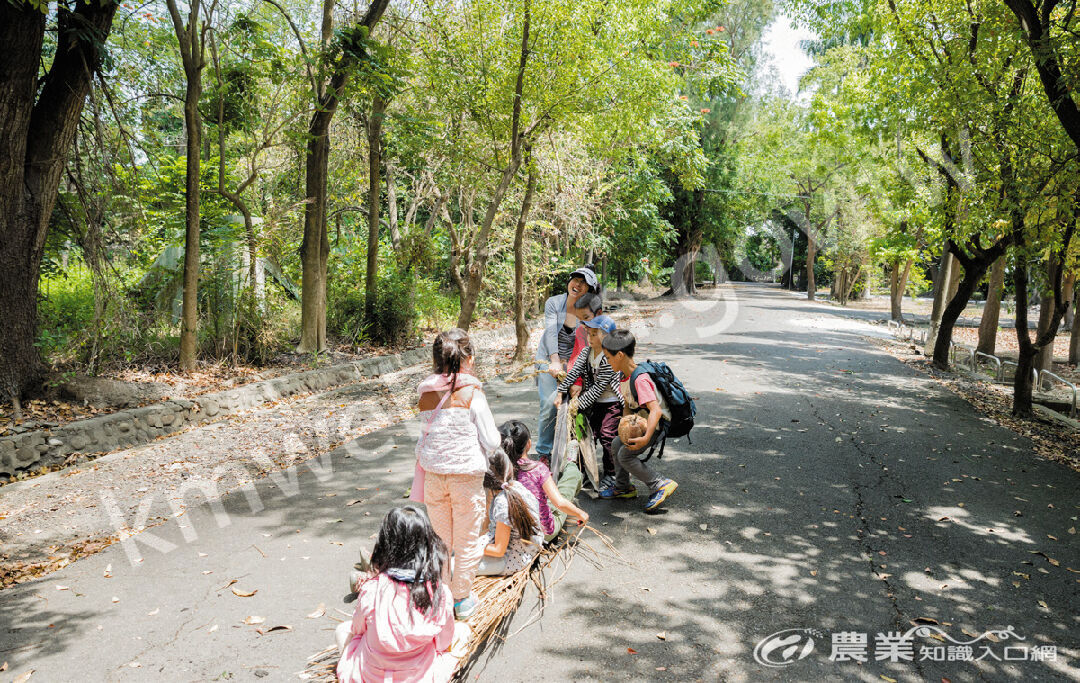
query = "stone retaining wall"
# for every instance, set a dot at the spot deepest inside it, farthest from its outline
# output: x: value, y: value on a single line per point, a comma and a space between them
x: 136, y: 426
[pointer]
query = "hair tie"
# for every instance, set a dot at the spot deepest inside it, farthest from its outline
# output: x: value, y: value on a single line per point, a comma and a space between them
x: 505, y: 485
x: 402, y: 575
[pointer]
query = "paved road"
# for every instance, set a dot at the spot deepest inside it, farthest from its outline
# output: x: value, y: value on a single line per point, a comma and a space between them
x: 827, y: 487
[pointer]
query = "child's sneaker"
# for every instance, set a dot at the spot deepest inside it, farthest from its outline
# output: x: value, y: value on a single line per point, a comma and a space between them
x: 466, y: 607
x: 615, y: 492
x: 607, y: 481
x: 667, y: 487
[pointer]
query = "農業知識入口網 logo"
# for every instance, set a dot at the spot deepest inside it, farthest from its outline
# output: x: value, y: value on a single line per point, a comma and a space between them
x: 786, y: 647
x: 791, y: 645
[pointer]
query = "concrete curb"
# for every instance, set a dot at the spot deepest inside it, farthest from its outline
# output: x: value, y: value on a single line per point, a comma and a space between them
x: 136, y: 426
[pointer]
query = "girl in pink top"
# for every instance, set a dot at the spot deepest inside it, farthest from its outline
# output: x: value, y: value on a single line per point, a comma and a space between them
x: 536, y: 478
x: 403, y: 626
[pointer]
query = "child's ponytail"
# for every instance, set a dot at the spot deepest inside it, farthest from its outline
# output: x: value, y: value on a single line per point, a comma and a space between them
x: 450, y: 350
x: 521, y: 517
x: 499, y: 479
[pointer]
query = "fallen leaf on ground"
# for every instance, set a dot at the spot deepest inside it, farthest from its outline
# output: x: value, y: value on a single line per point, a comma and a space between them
x: 652, y: 532
x: 319, y: 611
x: 263, y: 632
x: 662, y: 635
x: 631, y: 650
x: 25, y: 677
x: 703, y: 527
x: 3, y: 667
x: 924, y: 620
x: 354, y: 502
x: 212, y: 628
x: 228, y: 584
x: 62, y: 588
x: 886, y: 678
x: 156, y: 610
x: 1042, y: 603
x: 251, y: 621
x: 115, y: 599
x: 244, y: 594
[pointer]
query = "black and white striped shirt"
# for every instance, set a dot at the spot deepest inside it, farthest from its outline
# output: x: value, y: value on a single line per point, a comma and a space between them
x: 605, y: 378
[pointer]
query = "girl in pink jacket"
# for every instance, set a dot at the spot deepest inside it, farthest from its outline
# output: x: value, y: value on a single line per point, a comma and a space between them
x: 403, y: 626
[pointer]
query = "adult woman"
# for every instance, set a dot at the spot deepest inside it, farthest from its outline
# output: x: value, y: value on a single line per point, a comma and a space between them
x: 556, y: 345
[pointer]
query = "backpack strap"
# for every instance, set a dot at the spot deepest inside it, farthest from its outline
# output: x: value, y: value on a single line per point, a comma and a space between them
x: 660, y: 440
x: 642, y: 368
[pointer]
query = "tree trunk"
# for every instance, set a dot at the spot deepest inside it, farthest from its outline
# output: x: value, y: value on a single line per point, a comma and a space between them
x: 1022, y: 382
x: 189, y: 316
x: 193, y: 56
x: 475, y: 278
x: 34, y: 140
x: 391, y: 206
x: 1068, y: 292
x: 974, y: 267
x: 316, y: 244
x: 1028, y: 351
x: 522, y: 332
x: 374, y: 139
x: 1074, y: 338
x: 1045, y: 358
x: 811, y: 283
x: 897, y: 286
x: 988, y: 325
x: 941, y: 280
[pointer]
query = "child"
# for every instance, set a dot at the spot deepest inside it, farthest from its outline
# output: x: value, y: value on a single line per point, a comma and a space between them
x: 619, y: 351
x: 536, y: 477
x: 600, y: 400
x: 514, y: 536
x: 588, y: 306
x: 404, y: 621
x: 458, y: 433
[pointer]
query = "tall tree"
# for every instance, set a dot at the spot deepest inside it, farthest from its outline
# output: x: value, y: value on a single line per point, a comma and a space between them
x: 38, y: 120
x: 329, y: 88
x: 192, y: 38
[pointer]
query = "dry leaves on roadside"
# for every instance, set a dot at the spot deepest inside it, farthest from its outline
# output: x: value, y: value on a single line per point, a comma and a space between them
x: 272, y: 629
x: 243, y: 594
x: 319, y: 611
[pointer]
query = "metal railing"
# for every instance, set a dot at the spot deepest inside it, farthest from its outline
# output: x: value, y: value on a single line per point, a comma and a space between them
x: 993, y: 359
x: 1040, y: 384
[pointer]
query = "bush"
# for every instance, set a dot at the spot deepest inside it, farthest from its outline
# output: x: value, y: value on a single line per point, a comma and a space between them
x: 394, y: 316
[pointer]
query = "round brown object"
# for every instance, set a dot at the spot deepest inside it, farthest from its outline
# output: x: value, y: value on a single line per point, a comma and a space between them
x: 631, y: 427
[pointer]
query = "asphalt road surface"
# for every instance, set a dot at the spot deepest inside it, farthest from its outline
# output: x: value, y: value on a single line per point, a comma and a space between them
x: 830, y: 493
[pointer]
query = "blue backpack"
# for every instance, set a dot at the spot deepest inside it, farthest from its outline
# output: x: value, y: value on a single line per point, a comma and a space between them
x: 675, y: 395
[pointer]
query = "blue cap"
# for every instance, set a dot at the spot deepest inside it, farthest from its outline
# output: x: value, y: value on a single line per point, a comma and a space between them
x: 602, y: 322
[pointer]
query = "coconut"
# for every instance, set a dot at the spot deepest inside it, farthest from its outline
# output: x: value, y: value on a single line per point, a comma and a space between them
x: 631, y: 427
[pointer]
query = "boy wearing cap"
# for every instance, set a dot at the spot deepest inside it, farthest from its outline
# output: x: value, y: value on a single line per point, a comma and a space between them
x: 599, y: 399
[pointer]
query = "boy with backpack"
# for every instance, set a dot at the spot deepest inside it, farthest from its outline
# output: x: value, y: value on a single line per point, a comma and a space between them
x: 652, y: 391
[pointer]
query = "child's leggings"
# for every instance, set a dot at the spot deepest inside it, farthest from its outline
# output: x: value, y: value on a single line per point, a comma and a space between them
x: 455, y: 504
